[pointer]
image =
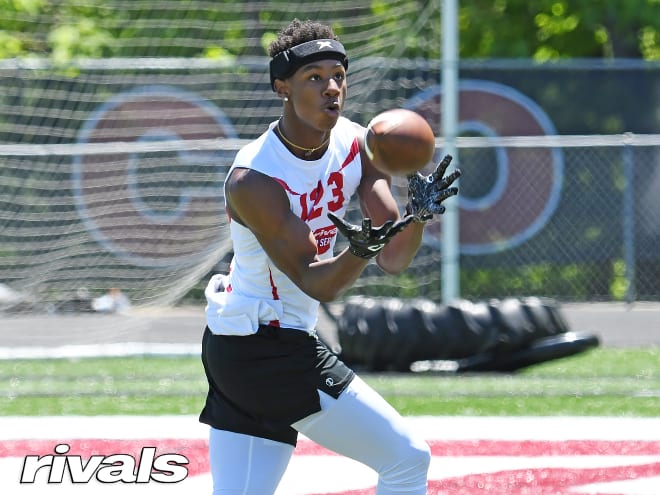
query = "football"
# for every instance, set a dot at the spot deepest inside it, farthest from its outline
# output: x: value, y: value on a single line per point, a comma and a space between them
x: 399, y: 142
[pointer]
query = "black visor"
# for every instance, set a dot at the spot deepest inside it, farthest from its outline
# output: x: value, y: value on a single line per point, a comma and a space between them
x: 285, y: 63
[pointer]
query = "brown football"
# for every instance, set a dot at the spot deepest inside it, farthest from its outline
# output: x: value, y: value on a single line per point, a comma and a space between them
x: 399, y: 141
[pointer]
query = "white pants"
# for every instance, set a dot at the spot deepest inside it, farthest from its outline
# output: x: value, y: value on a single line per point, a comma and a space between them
x: 360, y: 425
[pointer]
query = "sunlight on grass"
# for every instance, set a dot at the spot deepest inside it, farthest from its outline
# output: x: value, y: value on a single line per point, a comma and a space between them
x: 611, y: 382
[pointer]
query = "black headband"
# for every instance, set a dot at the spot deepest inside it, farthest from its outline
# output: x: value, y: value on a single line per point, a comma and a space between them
x: 287, y: 62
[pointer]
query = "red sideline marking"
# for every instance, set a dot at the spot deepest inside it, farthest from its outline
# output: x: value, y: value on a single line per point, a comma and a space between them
x: 526, y: 448
x: 196, y: 452
x: 543, y: 481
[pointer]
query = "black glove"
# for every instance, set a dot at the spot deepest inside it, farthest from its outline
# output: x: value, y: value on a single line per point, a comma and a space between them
x: 366, y: 241
x: 427, y: 192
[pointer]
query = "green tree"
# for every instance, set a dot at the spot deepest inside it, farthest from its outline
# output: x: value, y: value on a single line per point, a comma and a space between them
x: 553, y: 29
x: 543, y: 29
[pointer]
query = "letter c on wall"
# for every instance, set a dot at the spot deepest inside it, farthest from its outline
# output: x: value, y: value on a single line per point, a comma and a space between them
x: 151, y: 209
x: 525, y: 193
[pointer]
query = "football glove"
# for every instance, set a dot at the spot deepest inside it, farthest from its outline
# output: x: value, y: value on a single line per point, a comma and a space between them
x: 367, y: 241
x: 427, y: 192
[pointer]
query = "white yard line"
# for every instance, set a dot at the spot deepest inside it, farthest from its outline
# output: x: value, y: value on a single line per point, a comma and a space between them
x: 123, y: 349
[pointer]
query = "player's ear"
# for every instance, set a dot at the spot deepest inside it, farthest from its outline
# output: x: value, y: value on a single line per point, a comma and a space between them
x: 282, y: 89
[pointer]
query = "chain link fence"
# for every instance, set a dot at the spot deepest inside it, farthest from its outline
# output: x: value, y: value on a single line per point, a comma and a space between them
x: 111, y: 177
x: 586, y: 228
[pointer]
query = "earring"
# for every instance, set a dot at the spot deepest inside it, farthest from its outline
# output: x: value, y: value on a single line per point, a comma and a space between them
x: 286, y: 98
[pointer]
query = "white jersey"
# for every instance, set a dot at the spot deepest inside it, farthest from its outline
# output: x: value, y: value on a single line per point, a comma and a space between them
x: 255, y: 292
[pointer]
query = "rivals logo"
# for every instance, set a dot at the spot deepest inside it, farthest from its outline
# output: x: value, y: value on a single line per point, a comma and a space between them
x: 166, y: 468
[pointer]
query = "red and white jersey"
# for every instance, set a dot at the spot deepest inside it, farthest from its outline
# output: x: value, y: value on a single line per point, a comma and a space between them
x: 255, y: 291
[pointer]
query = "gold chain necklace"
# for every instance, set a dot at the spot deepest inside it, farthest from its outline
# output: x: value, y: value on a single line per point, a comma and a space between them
x: 308, y: 151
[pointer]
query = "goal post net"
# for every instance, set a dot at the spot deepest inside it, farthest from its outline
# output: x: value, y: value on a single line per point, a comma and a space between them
x: 119, y: 119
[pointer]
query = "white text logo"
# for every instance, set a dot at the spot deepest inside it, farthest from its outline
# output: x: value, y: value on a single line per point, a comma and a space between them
x: 165, y: 468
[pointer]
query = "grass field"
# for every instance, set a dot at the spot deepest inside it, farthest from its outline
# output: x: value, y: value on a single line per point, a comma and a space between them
x: 600, y: 382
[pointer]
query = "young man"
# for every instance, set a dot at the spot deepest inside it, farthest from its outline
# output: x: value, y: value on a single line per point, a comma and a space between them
x: 286, y: 193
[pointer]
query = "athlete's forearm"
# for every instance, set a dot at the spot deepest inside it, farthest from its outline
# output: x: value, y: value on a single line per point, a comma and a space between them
x: 327, y: 279
x: 401, y: 250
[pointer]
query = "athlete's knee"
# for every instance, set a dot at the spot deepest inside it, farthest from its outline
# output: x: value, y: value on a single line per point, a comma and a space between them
x: 408, y: 474
x: 418, y: 458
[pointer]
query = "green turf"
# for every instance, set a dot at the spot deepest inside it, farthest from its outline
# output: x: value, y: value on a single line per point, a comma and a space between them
x: 603, y: 381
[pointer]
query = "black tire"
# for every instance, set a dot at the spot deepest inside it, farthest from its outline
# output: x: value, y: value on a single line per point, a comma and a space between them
x: 389, y: 334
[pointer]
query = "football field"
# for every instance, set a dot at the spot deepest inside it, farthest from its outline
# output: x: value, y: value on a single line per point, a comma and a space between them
x: 471, y: 456
x: 73, y: 422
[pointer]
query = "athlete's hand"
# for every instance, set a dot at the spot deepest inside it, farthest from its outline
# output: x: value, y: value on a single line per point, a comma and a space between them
x: 367, y: 241
x: 427, y: 192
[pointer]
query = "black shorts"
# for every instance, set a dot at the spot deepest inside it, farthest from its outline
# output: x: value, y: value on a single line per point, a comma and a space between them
x: 262, y: 383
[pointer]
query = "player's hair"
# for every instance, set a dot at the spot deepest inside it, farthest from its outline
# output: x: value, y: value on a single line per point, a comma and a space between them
x: 298, y: 32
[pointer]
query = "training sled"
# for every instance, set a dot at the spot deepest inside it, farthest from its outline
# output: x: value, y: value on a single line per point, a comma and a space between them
x: 391, y: 334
